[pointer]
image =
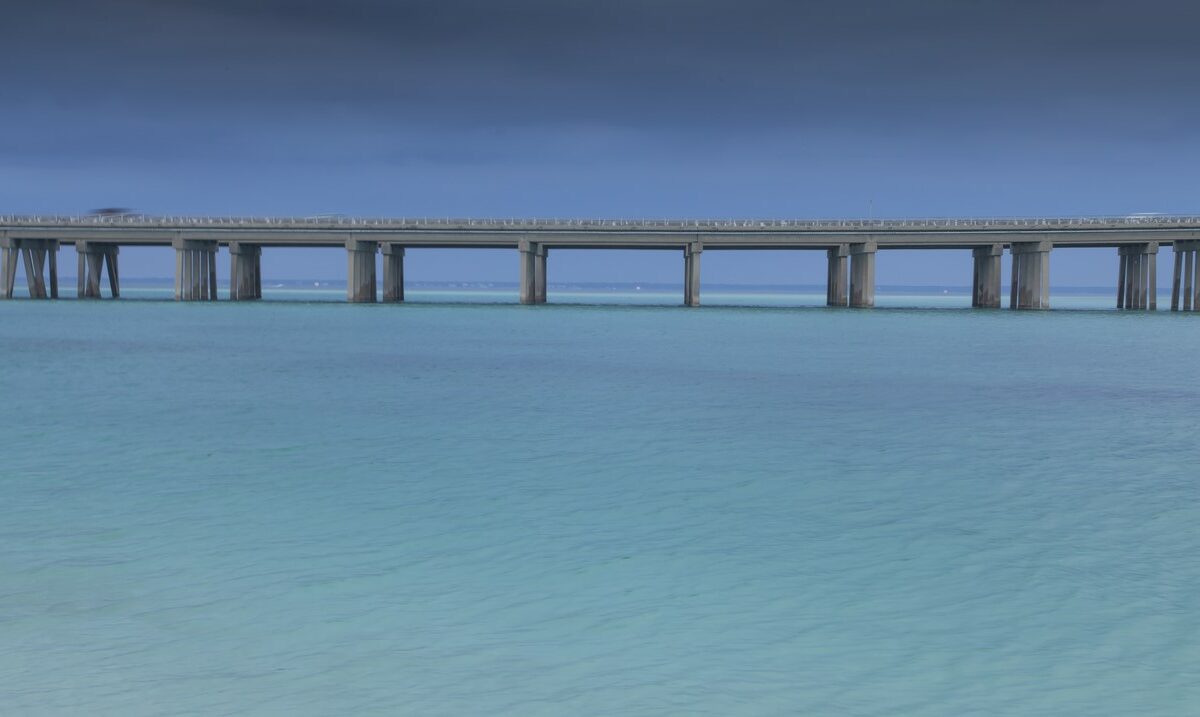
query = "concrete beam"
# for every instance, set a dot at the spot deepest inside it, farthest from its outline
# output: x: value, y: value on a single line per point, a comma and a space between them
x: 817, y: 234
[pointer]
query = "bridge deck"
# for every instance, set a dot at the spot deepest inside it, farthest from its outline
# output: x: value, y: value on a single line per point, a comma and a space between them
x: 609, y: 233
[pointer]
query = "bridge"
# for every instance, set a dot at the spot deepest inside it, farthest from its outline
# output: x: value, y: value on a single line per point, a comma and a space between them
x: 850, y: 246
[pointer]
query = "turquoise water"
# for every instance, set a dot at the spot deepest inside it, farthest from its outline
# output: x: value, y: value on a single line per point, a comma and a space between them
x: 319, y: 508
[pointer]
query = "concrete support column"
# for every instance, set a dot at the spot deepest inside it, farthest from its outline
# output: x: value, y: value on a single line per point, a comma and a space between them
x: 1137, y: 267
x: 837, y: 286
x: 1122, y: 273
x: 1178, y: 270
x: 533, y: 272
x: 1137, y: 276
x: 245, y: 271
x: 539, y: 274
x: 195, y: 269
x: 528, y: 280
x: 1195, y: 279
x: 50, y: 252
x: 1150, y: 259
x: 94, y: 258
x: 360, y: 277
x: 1132, y: 274
x: 10, y: 250
x: 1185, y: 283
x: 691, y: 273
x: 207, y: 264
x: 393, y: 273
x: 40, y: 258
x: 1030, y: 275
x: 985, y: 288
x: 210, y: 280
x: 1190, y: 265
x: 862, y: 274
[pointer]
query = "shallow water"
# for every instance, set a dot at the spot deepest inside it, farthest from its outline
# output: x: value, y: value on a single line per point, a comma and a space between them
x: 319, y: 508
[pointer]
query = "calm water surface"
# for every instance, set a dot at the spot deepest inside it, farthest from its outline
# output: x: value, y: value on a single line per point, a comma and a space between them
x: 317, y: 508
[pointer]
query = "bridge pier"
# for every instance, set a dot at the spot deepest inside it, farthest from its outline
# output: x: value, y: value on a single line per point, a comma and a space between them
x: 195, y: 269
x: 985, y: 289
x: 93, y: 258
x: 862, y: 274
x: 393, y: 273
x: 1030, y: 275
x: 539, y: 274
x: 1185, y: 283
x: 245, y: 271
x: 533, y: 272
x: 837, y: 287
x: 1151, y: 255
x: 360, y: 277
x: 691, y: 273
x: 527, y: 289
x: 1137, y: 278
x: 40, y: 257
x: 9, y: 250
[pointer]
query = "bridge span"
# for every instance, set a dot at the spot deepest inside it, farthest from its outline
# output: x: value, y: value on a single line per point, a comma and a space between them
x: 850, y: 246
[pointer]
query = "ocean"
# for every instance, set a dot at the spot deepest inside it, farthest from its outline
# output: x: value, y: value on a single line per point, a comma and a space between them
x: 600, y: 506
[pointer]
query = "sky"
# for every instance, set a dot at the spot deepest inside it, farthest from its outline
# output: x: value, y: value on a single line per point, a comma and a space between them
x: 622, y: 108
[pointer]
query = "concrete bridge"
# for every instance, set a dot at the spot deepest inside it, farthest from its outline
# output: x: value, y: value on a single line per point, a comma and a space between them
x: 850, y: 246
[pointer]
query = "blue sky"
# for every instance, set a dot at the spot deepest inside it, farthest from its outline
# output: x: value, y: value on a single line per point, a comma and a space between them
x: 657, y: 108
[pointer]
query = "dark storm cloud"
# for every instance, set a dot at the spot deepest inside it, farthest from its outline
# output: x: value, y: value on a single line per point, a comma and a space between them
x: 692, y: 66
x: 616, y: 108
